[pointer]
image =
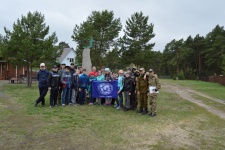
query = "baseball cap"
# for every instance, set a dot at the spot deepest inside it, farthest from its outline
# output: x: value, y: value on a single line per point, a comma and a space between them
x: 150, y: 70
x: 54, y: 66
x: 42, y: 65
x: 71, y: 63
x: 63, y: 64
x: 142, y: 69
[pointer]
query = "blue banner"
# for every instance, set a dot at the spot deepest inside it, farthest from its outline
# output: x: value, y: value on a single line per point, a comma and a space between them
x: 104, y: 89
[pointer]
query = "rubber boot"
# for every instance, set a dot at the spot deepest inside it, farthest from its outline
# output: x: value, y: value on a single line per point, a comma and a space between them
x: 145, y: 111
x: 140, y: 110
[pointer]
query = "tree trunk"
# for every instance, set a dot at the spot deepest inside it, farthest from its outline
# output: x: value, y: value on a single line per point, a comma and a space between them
x: 199, y: 65
x: 178, y: 69
x: 28, y: 75
x: 31, y: 72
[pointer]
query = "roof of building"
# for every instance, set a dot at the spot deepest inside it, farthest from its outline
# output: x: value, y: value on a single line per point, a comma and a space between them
x: 65, y: 53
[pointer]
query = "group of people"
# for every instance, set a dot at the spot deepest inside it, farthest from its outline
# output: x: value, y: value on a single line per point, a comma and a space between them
x: 70, y: 86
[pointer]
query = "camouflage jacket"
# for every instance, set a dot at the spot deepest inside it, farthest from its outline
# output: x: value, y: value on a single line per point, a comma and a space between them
x: 154, y: 81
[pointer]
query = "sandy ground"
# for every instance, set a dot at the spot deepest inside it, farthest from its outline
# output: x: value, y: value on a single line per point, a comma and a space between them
x: 187, y: 94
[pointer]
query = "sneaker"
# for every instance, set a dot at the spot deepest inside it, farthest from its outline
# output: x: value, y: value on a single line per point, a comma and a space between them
x: 152, y: 115
x: 125, y: 109
x: 90, y: 104
x: 50, y: 107
x: 118, y: 108
x: 70, y: 103
x: 63, y: 104
x: 144, y: 112
x: 56, y: 105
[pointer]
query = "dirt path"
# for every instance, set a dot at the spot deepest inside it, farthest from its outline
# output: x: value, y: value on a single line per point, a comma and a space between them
x: 14, y: 123
x: 187, y: 94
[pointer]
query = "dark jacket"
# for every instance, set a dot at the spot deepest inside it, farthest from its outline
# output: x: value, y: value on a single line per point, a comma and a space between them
x: 108, y: 77
x: 72, y: 71
x: 53, y: 79
x: 66, y: 80
x: 75, y: 81
x: 127, y: 84
x: 42, y: 77
x: 84, y: 80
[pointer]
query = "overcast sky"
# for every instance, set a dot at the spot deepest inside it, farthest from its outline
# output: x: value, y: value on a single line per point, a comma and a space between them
x: 172, y: 19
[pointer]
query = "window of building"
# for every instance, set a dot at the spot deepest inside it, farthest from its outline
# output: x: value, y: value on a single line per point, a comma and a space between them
x: 71, y: 59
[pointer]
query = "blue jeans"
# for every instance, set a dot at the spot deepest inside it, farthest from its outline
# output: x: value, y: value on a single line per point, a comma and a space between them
x: 66, y: 91
x: 91, y: 98
x: 121, y: 99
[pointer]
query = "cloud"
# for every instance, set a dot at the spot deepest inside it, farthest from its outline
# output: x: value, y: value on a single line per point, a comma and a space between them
x: 172, y: 19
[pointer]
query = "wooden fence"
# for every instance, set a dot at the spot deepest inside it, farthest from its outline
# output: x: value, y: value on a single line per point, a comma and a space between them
x: 216, y: 79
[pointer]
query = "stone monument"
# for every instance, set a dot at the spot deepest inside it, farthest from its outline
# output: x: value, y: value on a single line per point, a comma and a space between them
x: 86, y: 58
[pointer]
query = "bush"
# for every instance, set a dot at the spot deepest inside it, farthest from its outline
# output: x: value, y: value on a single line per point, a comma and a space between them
x: 174, y: 77
x: 181, y: 75
x: 197, y: 78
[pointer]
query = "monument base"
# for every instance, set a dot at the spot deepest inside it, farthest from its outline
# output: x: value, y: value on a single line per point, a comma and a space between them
x: 86, y: 60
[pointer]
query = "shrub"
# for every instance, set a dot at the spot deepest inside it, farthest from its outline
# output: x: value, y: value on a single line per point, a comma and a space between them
x: 174, y: 77
x: 197, y: 78
x: 181, y: 75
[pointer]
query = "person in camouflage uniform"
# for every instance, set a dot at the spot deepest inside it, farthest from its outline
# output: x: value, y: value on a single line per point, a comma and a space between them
x: 153, y: 81
x: 142, y: 91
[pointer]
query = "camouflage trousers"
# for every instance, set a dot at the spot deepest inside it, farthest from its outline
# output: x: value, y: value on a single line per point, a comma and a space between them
x: 152, y: 103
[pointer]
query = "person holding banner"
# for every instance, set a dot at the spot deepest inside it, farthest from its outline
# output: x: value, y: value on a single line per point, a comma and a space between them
x: 108, y: 77
x: 154, y: 86
x: 115, y: 78
x: 100, y: 77
x: 120, y: 88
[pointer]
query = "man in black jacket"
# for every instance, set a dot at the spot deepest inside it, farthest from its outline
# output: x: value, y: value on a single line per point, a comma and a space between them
x: 53, y: 85
x: 127, y: 89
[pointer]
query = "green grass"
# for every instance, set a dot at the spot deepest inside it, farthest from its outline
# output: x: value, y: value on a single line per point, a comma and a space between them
x: 178, y: 125
x: 212, y: 89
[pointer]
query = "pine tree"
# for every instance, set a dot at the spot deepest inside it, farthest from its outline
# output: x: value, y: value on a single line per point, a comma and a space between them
x: 137, y: 35
x: 29, y: 44
x: 104, y: 29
